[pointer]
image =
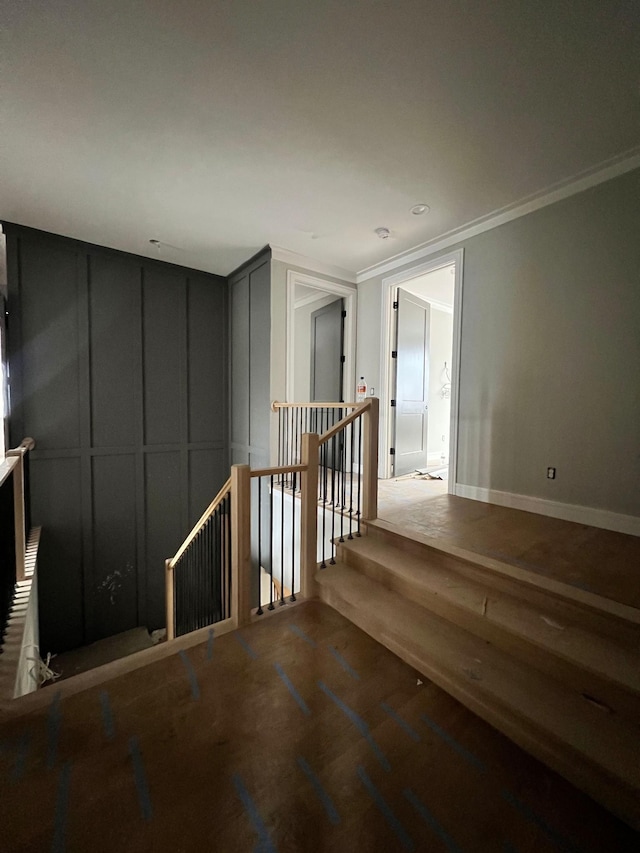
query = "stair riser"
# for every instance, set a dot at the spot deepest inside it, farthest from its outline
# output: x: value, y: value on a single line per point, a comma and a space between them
x: 606, y: 622
x: 620, y: 800
x: 601, y: 687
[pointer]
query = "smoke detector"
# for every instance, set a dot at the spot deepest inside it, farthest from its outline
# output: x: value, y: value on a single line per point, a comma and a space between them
x: 419, y: 209
x: 383, y: 233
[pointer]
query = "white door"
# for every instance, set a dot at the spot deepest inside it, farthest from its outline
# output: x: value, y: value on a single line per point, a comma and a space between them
x: 411, y: 383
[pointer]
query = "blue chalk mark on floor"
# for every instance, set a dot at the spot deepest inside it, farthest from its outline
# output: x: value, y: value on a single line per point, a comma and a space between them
x: 323, y: 796
x: 428, y: 818
x: 302, y: 635
x: 265, y: 845
x: 140, y: 779
x: 191, y: 674
x: 107, y: 715
x: 453, y: 743
x: 359, y: 723
x: 344, y: 663
x: 54, y: 720
x: 245, y: 645
x: 286, y: 680
x: 58, y: 844
x: 403, y: 837
x: 413, y: 734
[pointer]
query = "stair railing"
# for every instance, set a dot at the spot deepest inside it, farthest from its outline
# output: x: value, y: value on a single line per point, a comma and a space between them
x: 277, y: 524
x: 15, y: 523
x: 198, y: 576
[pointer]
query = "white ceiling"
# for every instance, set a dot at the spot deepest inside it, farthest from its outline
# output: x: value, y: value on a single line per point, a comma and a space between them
x: 218, y: 127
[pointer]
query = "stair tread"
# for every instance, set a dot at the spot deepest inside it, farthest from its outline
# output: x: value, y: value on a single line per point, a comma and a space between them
x: 450, y: 656
x: 612, y: 659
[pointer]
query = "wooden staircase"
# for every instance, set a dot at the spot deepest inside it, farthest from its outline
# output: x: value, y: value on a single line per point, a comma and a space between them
x: 555, y: 668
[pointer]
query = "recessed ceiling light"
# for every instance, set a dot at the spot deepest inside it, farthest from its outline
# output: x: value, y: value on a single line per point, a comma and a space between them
x: 383, y: 233
x: 419, y: 209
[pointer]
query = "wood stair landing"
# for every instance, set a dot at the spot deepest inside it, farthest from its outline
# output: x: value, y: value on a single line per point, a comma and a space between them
x: 554, y: 668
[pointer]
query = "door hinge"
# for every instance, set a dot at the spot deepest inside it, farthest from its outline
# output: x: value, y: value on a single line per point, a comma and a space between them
x: 344, y: 313
x: 393, y: 402
x: 395, y: 306
x: 392, y: 451
x: 343, y: 358
x: 394, y: 354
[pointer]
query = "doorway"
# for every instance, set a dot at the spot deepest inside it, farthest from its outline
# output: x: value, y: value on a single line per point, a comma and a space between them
x: 321, y: 327
x: 420, y: 353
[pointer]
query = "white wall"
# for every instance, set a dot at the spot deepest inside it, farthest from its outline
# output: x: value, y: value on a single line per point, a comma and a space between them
x: 441, y: 339
x: 550, y: 362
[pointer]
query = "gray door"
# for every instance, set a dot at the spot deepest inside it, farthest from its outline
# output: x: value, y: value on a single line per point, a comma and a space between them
x: 412, y: 383
x: 327, y: 338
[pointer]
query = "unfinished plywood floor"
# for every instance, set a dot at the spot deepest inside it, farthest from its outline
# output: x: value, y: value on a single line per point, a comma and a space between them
x: 589, y: 558
x: 298, y: 734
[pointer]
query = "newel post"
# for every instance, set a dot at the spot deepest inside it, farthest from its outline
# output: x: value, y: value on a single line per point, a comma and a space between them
x: 169, y: 580
x: 309, y: 514
x: 240, y: 544
x: 371, y: 417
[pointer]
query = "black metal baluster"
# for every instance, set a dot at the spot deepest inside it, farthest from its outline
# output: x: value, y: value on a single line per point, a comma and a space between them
x: 342, y: 485
x: 280, y: 436
x: 351, y: 483
x: 271, y: 545
x: 229, y: 557
x: 293, y: 539
x: 323, y: 463
x: 282, y: 601
x: 260, y: 610
x: 215, y: 572
x: 333, y: 500
x: 359, y: 471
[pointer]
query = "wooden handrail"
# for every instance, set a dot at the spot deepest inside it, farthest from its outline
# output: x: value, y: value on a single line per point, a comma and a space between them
x: 15, y: 461
x: 27, y: 443
x: 281, y: 469
x: 348, y: 419
x: 316, y: 405
x: 171, y: 564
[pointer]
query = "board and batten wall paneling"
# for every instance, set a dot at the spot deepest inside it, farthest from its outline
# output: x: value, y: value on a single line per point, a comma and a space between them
x: 250, y: 294
x: 207, y: 362
x: 119, y: 371
x: 165, y: 492
x: 114, y: 322
x: 163, y: 322
x: 56, y: 497
x: 115, y: 581
x: 50, y: 403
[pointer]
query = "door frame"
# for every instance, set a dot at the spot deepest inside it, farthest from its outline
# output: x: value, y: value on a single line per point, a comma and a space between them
x: 389, y: 286
x: 349, y: 293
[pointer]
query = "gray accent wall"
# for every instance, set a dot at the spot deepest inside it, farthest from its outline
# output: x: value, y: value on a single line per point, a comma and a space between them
x: 119, y: 372
x: 250, y: 296
x: 550, y: 364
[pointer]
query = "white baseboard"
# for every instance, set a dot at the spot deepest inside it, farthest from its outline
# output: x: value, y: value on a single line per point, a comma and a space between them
x: 568, y: 512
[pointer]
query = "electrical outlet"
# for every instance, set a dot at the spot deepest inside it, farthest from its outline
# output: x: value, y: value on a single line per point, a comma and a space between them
x: 551, y: 473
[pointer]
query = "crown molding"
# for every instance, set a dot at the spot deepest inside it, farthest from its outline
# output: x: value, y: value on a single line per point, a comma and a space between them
x: 311, y: 264
x: 613, y: 168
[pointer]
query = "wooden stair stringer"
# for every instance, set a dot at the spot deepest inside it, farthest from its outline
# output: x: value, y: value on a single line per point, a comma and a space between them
x: 578, y: 740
